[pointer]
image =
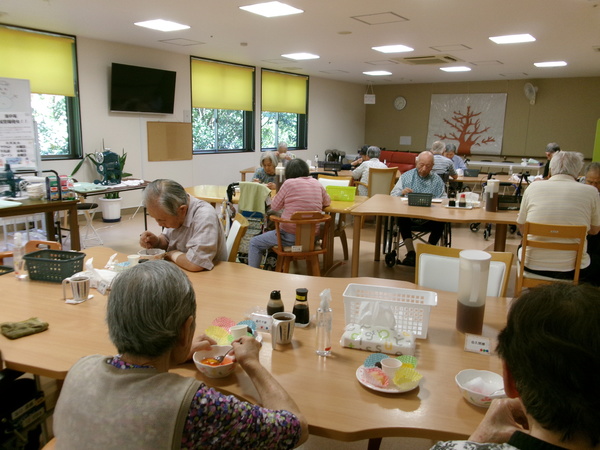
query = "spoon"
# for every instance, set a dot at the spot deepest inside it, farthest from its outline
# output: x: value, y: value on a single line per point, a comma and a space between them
x: 496, y: 392
x: 220, y: 358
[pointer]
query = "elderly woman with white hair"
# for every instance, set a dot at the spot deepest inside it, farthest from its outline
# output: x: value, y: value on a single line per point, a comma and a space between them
x: 131, y: 400
x: 561, y: 200
x: 361, y: 173
x: 265, y: 174
x: 441, y: 164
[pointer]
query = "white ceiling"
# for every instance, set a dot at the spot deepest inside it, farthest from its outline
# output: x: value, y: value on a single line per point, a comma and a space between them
x: 565, y: 30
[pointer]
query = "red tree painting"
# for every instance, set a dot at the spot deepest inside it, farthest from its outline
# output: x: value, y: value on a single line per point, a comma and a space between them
x: 468, y: 131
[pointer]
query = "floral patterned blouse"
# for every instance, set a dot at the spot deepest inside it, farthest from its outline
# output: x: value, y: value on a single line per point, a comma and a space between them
x: 222, y: 421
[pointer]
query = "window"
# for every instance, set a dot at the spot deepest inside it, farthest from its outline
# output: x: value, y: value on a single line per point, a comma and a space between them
x: 48, y: 61
x: 222, y: 106
x: 284, y: 110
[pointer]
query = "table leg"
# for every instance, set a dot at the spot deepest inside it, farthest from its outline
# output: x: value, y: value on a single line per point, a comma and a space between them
x: 328, y: 259
x: 378, y: 221
x: 355, y: 245
x: 50, y: 227
x: 500, y: 240
x: 74, y: 227
x: 374, y: 444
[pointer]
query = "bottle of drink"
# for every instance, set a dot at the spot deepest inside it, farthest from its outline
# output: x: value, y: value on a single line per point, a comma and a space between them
x: 316, y: 161
x: 275, y: 304
x: 462, y: 201
x: 20, y: 265
x: 301, y: 308
x: 324, y: 319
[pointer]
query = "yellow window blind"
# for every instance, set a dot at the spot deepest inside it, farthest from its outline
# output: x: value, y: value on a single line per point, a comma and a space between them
x: 47, y: 61
x: 222, y: 86
x: 282, y: 92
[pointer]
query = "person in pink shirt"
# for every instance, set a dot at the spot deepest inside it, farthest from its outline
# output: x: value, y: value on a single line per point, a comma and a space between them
x: 299, y: 192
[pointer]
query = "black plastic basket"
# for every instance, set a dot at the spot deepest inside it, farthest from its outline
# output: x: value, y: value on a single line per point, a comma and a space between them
x: 5, y: 269
x: 419, y: 199
x: 53, y: 265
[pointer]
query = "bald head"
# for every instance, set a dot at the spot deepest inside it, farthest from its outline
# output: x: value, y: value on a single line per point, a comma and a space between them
x: 424, y: 163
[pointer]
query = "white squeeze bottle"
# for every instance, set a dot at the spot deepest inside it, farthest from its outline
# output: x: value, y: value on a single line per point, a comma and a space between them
x: 324, y: 319
x: 20, y: 266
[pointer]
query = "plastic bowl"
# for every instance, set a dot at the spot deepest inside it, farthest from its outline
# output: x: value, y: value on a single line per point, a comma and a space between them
x: 477, y: 385
x: 152, y: 253
x: 220, y: 371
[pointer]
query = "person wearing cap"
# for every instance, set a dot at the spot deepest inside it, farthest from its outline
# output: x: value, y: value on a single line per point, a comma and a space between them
x: 551, y: 150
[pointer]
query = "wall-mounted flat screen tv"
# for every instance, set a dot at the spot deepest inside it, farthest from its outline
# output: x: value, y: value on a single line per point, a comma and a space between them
x: 141, y: 89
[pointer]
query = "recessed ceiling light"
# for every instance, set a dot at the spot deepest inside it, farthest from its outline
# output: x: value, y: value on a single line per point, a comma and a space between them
x: 393, y: 48
x: 272, y: 9
x: 162, y: 25
x: 456, y: 69
x: 512, y: 39
x: 301, y: 56
x: 550, y: 64
x: 378, y: 73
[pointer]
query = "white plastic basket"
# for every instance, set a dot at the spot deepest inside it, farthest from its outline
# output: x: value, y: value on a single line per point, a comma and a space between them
x: 410, y: 307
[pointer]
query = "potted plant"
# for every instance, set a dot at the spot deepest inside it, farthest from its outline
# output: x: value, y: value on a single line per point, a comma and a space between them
x: 110, y: 166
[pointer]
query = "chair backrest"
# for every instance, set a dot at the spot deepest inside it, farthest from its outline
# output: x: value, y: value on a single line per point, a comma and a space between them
x: 438, y: 267
x: 328, y: 180
x: 236, y: 233
x: 33, y: 246
x: 308, y: 224
x: 381, y: 181
x: 571, y: 238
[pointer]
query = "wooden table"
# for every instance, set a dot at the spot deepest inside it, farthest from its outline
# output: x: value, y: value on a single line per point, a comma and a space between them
x: 336, y: 405
x: 385, y: 205
x: 29, y: 207
x: 334, y: 209
x: 210, y: 193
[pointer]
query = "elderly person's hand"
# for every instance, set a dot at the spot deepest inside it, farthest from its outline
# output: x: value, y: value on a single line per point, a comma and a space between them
x: 148, y: 240
x: 271, y: 185
x: 406, y: 191
x: 201, y: 342
x: 505, y: 416
x: 246, y: 350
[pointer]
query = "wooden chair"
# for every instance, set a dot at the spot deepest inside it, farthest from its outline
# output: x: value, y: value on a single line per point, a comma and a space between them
x: 236, y: 233
x: 340, y: 222
x: 308, y: 225
x: 437, y: 268
x: 33, y: 246
x: 51, y: 445
x: 572, y: 238
x: 381, y: 181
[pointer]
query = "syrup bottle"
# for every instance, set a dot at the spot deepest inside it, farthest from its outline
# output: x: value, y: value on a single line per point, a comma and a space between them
x: 275, y: 304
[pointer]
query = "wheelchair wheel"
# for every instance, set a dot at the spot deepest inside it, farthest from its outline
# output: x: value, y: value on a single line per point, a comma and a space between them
x: 390, y: 259
x: 486, y: 234
x: 474, y: 227
x: 512, y: 229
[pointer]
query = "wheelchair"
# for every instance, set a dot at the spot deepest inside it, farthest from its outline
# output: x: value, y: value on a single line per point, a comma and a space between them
x: 392, y: 240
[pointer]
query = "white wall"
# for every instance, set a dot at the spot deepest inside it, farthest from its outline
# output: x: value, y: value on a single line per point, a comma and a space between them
x: 336, y: 120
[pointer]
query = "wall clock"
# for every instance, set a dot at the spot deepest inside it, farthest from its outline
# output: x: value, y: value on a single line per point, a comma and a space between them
x: 400, y: 103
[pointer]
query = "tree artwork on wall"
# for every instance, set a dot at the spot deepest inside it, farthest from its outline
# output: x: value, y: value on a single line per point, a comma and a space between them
x: 473, y: 122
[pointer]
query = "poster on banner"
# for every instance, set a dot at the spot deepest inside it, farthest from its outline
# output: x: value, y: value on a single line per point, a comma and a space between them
x: 472, y: 122
x: 17, y: 130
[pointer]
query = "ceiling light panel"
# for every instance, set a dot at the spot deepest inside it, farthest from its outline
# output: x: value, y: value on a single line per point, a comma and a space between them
x: 162, y: 25
x: 271, y: 9
x: 301, y: 56
x: 393, y: 48
x: 512, y: 39
x: 456, y: 69
x: 377, y: 73
x: 550, y: 64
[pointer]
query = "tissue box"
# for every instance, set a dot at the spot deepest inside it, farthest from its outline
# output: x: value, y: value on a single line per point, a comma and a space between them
x: 378, y: 339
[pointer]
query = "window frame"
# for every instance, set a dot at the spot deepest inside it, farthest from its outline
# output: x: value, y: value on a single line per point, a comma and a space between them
x: 302, y: 127
x: 73, y: 110
x: 249, y: 117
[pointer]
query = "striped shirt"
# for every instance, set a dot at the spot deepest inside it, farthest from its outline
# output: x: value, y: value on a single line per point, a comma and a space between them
x: 299, y: 194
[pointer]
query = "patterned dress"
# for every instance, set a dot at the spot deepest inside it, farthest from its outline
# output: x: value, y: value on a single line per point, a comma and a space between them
x: 222, y: 421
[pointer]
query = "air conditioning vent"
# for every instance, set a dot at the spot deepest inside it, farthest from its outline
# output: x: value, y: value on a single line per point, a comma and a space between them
x: 423, y: 60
